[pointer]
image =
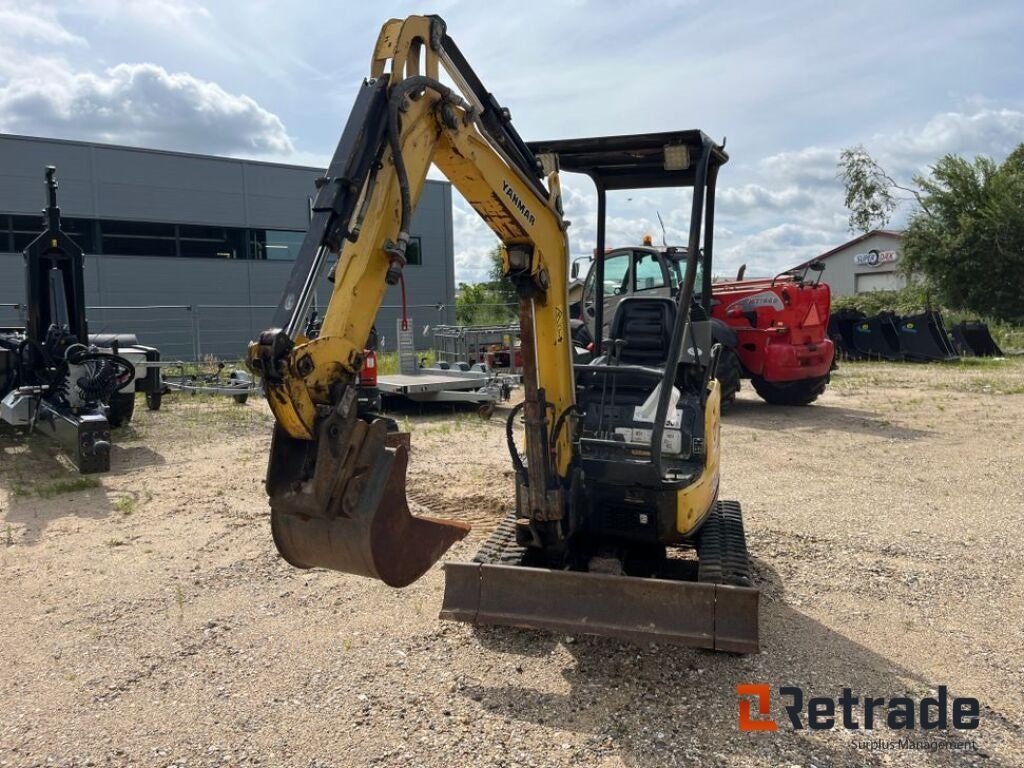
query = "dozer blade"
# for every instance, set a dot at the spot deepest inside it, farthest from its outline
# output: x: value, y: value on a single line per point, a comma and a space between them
x: 340, y: 503
x: 713, y: 616
x: 718, y: 612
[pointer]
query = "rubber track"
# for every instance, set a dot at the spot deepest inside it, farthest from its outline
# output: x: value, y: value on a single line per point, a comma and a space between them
x: 500, y: 547
x: 722, y: 547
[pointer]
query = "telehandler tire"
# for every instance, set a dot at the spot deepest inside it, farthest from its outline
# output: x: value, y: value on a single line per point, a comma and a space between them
x: 803, y: 392
x: 730, y: 374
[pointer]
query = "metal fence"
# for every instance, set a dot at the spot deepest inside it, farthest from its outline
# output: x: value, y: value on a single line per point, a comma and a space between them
x: 193, y: 332
x: 496, y: 345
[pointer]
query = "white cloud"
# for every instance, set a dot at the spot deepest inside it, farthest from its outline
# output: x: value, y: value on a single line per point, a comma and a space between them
x: 790, y: 210
x: 142, y: 104
x: 152, y: 12
x: 994, y: 132
x: 756, y: 196
x: 796, y: 90
x: 34, y: 23
x: 810, y: 166
x: 473, y: 242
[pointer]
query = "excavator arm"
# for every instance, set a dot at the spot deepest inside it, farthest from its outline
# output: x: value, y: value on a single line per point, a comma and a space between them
x: 337, y: 481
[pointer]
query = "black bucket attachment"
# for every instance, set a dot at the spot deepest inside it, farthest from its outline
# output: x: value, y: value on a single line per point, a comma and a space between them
x: 923, y: 338
x: 841, y: 330
x: 339, y: 502
x: 972, y: 339
x: 877, y: 337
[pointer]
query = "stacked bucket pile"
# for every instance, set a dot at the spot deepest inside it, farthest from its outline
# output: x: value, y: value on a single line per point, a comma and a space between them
x: 916, y: 338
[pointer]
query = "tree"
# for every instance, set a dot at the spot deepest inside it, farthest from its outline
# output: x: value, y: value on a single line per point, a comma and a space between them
x: 489, y: 303
x: 966, y: 234
x: 869, y: 190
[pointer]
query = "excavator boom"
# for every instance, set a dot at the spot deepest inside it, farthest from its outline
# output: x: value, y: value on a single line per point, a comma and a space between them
x: 336, y: 481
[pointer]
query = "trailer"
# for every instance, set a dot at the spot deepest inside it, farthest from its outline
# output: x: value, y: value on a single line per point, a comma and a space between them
x: 497, y: 346
x: 444, y: 383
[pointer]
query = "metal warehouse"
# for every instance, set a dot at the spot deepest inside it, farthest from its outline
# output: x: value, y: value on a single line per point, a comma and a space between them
x: 192, y: 252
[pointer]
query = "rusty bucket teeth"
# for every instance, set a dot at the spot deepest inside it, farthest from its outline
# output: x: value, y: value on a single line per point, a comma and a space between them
x: 351, y: 515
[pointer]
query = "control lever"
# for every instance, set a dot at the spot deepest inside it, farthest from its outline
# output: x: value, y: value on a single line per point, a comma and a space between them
x: 712, y: 370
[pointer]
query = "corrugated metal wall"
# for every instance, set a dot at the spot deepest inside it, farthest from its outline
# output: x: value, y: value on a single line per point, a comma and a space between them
x: 225, y: 297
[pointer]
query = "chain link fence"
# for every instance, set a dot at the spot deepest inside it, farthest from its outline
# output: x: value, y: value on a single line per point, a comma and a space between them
x: 196, y: 332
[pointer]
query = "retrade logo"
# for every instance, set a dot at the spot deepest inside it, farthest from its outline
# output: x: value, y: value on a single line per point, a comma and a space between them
x: 852, y: 712
x: 762, y: 695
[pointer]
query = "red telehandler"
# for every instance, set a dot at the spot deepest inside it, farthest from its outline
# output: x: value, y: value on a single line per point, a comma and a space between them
x: 773, y: 331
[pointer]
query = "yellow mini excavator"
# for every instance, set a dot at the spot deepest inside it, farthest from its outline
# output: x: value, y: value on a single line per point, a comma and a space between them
x: 617, y: 480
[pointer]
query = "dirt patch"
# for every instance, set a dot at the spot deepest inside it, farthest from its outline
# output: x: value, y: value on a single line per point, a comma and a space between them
x: 147, y: 620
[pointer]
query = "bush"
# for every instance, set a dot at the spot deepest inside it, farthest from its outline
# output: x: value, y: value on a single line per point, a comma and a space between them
x: 913, y: 298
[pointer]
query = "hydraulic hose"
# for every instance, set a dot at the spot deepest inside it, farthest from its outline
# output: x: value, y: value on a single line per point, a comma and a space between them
x: 510, y: 439
x: 106, y: 373
x: 396, y: 101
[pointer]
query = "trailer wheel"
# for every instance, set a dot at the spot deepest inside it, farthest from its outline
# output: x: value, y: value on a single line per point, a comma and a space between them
x: 730, y: 372
x: 240, y: 377
x: 803, y: 392
x: 121, y: 408
x: 154, y: 400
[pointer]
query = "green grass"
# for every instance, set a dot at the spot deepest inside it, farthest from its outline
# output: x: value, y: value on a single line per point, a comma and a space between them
x: 125, y: 505
x: 67, y: 485
x: 971, y: 375
x: 387, y: 363
x: 56, y: 487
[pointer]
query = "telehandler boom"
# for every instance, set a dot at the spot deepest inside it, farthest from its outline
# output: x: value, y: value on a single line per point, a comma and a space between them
x: 620, y: 470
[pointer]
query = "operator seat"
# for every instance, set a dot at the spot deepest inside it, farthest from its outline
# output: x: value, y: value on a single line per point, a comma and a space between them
x: 644, y: 327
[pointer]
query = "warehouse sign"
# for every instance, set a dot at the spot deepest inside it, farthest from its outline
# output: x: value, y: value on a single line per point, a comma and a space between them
x: 875, y: 258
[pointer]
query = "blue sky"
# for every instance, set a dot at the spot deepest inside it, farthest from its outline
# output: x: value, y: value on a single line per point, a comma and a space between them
x: 788, y: 83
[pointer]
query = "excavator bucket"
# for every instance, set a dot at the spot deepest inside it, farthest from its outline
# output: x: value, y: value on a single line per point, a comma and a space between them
x: 972, y: 338
x: 340, y: 503
x: 498, y: 588
x: 877, y: 337
x: 923, y: 337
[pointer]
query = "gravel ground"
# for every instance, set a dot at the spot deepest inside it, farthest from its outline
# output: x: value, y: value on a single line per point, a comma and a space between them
x: 147, y: 620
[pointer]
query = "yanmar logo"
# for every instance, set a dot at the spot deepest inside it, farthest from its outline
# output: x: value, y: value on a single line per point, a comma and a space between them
x: 519, y: 204
x: 898, y: 713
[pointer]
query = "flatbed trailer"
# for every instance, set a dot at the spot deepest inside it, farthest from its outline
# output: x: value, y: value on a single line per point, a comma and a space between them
x: 437, y: 385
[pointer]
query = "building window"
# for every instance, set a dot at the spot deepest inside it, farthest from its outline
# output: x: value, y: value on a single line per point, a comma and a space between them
x: 414, y: 252
x: 275, y: 244
x: 25, y: 230
x: 147, y: 238
x: 16, y: 232
x: 138, y: 238
x: 211, y: 242
x: 80, y: 230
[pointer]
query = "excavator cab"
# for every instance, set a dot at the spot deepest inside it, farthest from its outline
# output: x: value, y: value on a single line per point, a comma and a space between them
x: 620, y: 462
x: 649, y: 551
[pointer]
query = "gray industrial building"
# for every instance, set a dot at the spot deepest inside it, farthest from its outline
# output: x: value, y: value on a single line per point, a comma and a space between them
x: 870, y: 262
x: 192, y: 252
